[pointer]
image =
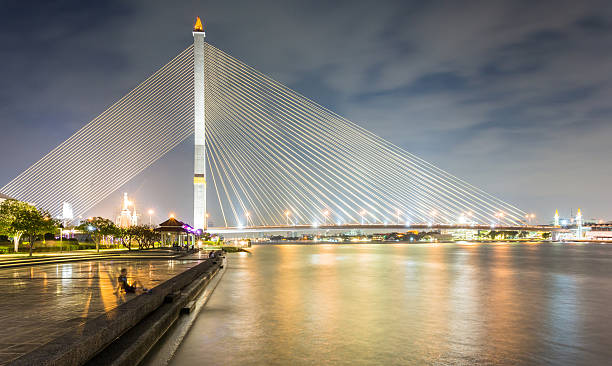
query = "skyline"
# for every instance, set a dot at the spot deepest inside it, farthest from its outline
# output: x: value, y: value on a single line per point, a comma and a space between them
x: 500, y: 145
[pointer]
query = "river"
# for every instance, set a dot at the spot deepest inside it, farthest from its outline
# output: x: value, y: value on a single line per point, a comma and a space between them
x: 394, y: 304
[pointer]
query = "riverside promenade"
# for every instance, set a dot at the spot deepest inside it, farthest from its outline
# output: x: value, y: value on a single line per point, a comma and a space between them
x: 42, y: 302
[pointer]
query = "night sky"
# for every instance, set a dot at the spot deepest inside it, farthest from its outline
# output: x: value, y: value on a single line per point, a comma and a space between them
x: 513, y: 96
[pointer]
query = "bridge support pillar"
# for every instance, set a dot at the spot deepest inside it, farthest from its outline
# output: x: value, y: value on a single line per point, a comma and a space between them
x: 199, y: 168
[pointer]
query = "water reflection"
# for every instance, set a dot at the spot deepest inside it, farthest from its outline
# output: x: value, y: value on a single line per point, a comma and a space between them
x: 409, y: 304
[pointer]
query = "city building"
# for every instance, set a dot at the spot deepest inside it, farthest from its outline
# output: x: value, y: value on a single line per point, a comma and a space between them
x: 128, y: 216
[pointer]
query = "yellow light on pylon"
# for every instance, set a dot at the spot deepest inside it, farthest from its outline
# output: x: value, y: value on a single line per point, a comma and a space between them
x: 198, y: 25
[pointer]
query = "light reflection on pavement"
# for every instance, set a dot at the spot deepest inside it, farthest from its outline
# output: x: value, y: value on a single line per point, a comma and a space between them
x: 39, y: 303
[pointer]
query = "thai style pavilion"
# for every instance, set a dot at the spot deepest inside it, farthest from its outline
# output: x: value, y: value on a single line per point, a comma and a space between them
x: 176, y: 233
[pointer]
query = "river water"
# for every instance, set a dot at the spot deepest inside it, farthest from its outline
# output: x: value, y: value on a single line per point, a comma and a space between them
x: 438, y: 304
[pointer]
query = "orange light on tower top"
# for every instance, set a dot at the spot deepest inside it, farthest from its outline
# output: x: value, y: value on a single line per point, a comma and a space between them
x: 198, y: 25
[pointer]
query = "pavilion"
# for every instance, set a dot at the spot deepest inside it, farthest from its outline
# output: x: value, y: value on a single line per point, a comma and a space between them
x: 176, y: 233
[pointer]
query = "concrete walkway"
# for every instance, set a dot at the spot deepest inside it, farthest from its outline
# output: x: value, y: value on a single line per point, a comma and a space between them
x: 39, y: 303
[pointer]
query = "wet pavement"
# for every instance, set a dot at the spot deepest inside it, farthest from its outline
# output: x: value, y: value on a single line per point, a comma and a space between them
x: 40, y: 303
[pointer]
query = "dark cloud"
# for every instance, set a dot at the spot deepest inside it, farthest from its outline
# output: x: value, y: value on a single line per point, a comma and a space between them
x: 513, y: 96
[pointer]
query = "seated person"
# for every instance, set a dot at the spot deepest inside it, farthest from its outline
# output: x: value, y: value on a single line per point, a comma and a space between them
x: 127, y: 287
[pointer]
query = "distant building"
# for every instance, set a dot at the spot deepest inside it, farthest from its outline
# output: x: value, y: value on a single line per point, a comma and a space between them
x: 128, y: 217
x: 599, y: 232
x: 4, y: 197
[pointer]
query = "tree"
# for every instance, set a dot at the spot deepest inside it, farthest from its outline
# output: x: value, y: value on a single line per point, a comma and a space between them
x: 125, y: 236
x: 98, y: 227
x: 14, y: 216
x: 32, y: 222
x: 144, y: 235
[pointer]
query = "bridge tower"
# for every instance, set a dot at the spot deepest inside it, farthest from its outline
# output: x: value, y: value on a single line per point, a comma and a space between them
x: 579, y: 224
x: 199, y: 168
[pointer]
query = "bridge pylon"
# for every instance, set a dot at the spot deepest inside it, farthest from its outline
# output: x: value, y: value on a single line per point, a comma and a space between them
x: 199, y: 168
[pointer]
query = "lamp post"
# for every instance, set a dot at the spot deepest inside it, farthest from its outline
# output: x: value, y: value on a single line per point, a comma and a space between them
x: 247, y: 214
x: 499, y: 216
x: 363, y: 213
x: 325, y: 215
x: 151, y: 212
x: 398, y: 216
x: 287, y: 213
x: 206, y: 221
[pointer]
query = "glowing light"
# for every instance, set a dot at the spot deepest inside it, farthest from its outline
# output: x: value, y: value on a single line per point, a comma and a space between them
x: 198, y: 25
x: 171, y: 215
x: 151, y: 212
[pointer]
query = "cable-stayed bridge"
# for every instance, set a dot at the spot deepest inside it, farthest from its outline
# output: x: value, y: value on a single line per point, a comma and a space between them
x: 267, y: 156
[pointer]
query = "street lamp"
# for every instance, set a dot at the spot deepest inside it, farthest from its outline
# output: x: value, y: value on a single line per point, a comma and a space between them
x: 363, y: 213
x: 247, y: 214
x: 325, y: 215
x: 499, y: 216
x: 398, y: 216
x: 151, y: 212
x: 530, y: 218
x: 287, y: 213
x: 206, y: 221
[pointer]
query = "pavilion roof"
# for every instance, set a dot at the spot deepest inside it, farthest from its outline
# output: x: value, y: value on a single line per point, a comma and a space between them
x: 172, y: 222
x: 172, y: 225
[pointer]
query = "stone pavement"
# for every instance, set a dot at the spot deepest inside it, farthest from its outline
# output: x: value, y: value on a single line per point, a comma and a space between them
x: 39, y: 303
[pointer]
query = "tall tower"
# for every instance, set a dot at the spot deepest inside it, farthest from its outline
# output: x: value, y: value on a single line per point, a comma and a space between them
x: 579, y: 224
x: 199, y: 168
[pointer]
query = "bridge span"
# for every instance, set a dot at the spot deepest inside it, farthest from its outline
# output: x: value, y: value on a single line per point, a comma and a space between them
x: 386, y: 227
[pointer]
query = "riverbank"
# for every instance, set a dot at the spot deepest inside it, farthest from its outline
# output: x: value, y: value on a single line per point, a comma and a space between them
x: 82, y: 312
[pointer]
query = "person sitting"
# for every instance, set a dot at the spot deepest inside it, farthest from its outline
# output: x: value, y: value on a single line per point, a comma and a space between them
x: 124, y: 285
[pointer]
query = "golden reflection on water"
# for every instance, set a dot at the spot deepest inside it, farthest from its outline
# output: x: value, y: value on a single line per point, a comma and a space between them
x: 407, y: 304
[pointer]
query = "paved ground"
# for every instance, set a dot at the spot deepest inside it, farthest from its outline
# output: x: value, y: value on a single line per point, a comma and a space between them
x: 39, y: 303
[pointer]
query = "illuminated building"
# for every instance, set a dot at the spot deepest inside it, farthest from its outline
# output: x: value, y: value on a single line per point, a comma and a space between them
x: 128, y: 217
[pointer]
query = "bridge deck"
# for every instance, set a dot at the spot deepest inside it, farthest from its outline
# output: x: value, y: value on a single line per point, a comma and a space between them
x: 388, y: 227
